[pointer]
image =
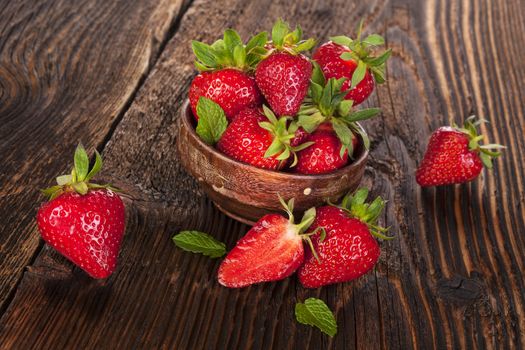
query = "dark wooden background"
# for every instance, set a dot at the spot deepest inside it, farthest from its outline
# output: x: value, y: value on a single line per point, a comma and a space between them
x: 114, y: 75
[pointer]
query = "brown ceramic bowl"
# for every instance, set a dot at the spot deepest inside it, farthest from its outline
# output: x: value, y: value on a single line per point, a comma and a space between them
x: 245, y: 192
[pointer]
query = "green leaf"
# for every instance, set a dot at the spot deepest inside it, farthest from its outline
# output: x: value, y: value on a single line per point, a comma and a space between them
x: 269, y: 114
x: 239, y: 56
x: 359, y: 197
x: 345, y: 107
x: 315, y: 312
x: 279, y: 31
x: 232, y: 40
x: 258, y: 40
x: 275, y: 147
x: 316, y: 91
x: 341, y: 40
x: 64, y: 180
x: 285, y: 155
x: 305, y: 45
x: 80, y: 187
x: 212, y: 121
x: 199, y: 242
x: 377, y: 61
x: 362, y: 114
x: 379, y: 74
x: 347, y: 56
x: 317, y: 74
x: 358, y: 74
x: 344, y: 134
x: 310, y: 122
x: 96, y: 167
x: 486, y: 160
x: 81, y: 162
x: 50, y: 191
x: 204, y: 53
x: 374, y: 39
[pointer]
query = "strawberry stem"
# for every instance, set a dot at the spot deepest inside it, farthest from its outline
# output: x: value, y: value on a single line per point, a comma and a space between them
x: 78, y: 180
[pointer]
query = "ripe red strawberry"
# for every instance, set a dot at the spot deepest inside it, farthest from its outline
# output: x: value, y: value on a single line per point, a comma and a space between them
x: 346, y: 58
x: 259, y: 139
x: 454, y: 156
x: 226, y: 73
x: 332, y: 124
x: 324, y: 156
x: 283, y: 76
x: 231, y: 89
x: 348, y: 250
x: 83, y: 221
x: 270, y: 251
x: 329, y: 58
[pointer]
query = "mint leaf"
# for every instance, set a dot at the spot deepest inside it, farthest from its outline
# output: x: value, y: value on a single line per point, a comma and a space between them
x: 212, y: 121
x: 81, y: 162
x: 314, y: 312
x: 199, y: 242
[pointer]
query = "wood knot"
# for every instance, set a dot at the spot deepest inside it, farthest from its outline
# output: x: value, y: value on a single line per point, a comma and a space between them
x: 461, y: 290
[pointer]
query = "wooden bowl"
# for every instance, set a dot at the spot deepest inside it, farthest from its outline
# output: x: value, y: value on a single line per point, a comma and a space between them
x: 245, y: 192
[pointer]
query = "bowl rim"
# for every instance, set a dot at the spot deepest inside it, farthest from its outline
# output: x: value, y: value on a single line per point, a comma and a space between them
x: 187, y: 116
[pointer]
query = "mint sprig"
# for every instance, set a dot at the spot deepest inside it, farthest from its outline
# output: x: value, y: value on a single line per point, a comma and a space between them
x: 212, y: 121
x: 314, y: 312
x: 199, y: 242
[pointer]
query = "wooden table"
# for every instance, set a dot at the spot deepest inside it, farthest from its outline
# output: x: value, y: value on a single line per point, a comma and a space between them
x: 114, y: 74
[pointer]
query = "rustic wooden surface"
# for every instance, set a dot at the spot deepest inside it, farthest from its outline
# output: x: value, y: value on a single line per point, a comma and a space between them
x: 115, y: 75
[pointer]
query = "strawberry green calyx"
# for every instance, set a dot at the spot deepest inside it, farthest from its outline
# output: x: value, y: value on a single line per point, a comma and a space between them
x: 282, y: 136
x: 368, y: 213
x: 284, y: 39
x: 304, y: 225
x: 486, y: 151
x: 326, y: 103
x: 361, y: 52
x: 78, y: 180
x: 230, y: 52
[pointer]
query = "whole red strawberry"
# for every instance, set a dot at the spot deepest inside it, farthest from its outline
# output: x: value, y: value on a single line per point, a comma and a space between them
x: 83, y: 221
x: 231, y: 89
x: 283, y: 76
x: 226, y: 73
x: 270, y: 251
x: 454, y: 156
x: 259, y: 139
x: 346, y: 58
x: 323, y: 156
x: 348, y: 250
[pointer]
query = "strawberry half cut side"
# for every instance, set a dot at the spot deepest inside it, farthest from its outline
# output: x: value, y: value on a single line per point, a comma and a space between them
x: 271, y: 250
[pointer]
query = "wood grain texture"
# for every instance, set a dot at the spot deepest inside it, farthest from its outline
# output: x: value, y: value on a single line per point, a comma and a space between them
x: 452, y: 278
x: 67, y: 71
x: 247, y: 193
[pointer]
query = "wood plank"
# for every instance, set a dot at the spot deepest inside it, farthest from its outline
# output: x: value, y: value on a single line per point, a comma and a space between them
x: 451, y: 279
x: 67, y: 71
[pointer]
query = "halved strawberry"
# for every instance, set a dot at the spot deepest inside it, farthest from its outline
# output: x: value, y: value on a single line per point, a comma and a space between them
x: 270, y: 251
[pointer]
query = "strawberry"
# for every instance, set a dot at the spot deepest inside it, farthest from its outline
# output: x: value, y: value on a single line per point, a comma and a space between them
x: 454, y: 155
x: 332, y: 124
x: 348, y: 249
x: 83, y: 221
x: 284, y: 74
x: 353, y: 59
x: 226, y: 67
x: 270, y: 251
x: 323, y: 156
x: 258, y: 138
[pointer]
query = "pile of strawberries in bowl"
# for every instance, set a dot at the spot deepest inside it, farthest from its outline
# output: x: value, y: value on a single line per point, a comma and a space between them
x: 267, y: 104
